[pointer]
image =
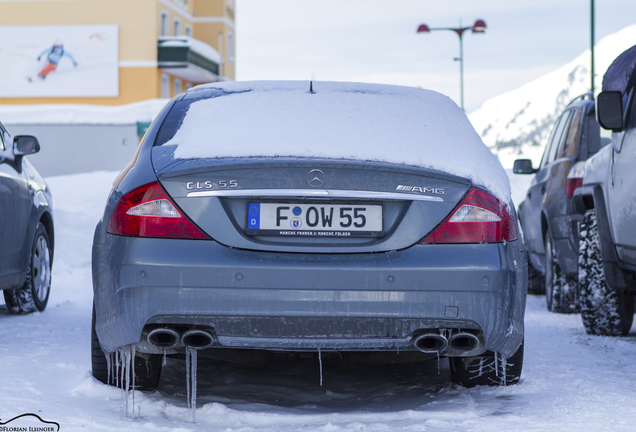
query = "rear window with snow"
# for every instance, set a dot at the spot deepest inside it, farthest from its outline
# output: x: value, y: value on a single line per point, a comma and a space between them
x: 367, y: 122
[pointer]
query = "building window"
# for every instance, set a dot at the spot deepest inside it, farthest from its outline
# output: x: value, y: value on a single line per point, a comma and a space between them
x: 188, y: 30
x: 165, y: 86
x: 230, y: 47
x: 178, y: 86
x: 164, y: 23
x: 221, y: 53
x: 177, y: 27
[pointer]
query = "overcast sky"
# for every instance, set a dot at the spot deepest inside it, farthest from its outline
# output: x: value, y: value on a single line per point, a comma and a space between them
x: 376, y: 41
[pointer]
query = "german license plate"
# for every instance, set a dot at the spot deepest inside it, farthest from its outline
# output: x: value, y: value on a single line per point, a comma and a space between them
x: 314, y: 220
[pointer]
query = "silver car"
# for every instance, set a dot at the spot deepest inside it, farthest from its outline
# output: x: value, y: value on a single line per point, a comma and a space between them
x: 337, y: 219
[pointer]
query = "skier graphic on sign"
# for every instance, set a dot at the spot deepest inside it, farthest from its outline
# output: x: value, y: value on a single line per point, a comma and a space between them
x: 54, y: 54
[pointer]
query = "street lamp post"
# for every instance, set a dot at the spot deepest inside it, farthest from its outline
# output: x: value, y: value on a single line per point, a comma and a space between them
x: 478, y: 27
x: 592, y: 42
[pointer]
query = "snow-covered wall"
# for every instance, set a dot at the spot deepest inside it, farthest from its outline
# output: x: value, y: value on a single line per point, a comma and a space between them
x: 78, y: 138
x: 67, y: 114
x: 72, y: 149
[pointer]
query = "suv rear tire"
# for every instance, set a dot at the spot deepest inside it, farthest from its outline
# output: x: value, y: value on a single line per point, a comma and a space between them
x: 604, y: 311
x: 561, y: 291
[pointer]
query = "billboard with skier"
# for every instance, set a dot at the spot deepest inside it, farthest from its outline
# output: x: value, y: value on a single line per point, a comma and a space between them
x: 59, y: 61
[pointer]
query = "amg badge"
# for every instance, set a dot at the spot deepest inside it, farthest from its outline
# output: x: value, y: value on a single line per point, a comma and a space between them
x: 431, y: 190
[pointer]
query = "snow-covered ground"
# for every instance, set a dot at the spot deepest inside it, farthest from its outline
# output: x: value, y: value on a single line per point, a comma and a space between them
x: 571, y: 381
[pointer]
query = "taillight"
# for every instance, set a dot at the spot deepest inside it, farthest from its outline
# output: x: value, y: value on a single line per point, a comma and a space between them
x: 575, y: 178
x: 148, y: 212
x: 478, y: 218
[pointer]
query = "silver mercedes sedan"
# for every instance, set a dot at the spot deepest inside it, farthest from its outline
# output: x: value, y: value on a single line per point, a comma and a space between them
x: 323, y: 218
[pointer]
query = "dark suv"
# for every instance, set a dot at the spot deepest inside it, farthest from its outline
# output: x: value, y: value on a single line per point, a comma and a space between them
x: 607, y: 247
x: 26, y: 227
x: 547, y: 215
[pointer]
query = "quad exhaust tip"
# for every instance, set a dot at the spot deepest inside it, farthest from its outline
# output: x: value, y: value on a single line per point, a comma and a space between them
x: 430, y: 343
x: 165, y: 338
x: 197, y: 339
x: 464, y: 341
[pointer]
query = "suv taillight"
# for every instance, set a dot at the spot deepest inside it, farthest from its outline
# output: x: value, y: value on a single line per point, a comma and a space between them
x: 575, y: 178
x: 148, y: 212
x: 478, y: 218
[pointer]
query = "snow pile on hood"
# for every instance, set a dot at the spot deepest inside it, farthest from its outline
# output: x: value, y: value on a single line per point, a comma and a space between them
x: 517, y: 123
x: 368, y: 122
x: 143, y: 111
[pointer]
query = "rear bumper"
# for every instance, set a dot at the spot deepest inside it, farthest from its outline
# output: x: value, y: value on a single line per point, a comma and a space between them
x: 287, y: 301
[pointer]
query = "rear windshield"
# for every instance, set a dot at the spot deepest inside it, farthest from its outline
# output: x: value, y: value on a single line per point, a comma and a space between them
x: 173, y: 122
x: 174, y: 119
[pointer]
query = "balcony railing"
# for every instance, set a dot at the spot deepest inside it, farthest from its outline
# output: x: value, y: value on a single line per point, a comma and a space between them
x: 189, y: 59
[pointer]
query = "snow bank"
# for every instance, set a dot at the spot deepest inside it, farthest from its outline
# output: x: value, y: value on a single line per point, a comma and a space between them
x: 144, y: 111
x: 369, y: 122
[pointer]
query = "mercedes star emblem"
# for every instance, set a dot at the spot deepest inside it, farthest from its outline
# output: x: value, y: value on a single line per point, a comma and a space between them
x: 316, y: 178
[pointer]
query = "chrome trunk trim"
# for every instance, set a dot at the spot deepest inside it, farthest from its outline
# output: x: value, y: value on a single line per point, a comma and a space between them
x: 312, y: 193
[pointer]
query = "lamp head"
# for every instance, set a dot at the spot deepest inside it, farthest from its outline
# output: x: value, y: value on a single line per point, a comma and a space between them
x: 423, y: 28
x: 479, y: 26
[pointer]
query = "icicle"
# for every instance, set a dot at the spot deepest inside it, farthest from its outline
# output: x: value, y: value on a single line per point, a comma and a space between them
x: 109, y: 365
x: 496, y: 366
x: 125, y: 373
x: 121, y: 369
x: 504, y: 362
x: 133, y: 354
x: 320, y: 363
x: 193, y: 358
x: 188, y: 376
x: 191, y: 380
x: 164, y: 356
x: 117, y: 368
x: 438, y: 372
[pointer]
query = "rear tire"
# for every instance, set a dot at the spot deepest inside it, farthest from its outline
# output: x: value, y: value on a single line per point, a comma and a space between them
x: 487, y: 369
x: 604, y: 311
x: 561, y: 291
x: 34, y: 294
x: 147, y: 368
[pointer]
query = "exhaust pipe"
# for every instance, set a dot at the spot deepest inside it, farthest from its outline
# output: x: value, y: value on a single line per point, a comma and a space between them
x: 197, y: 339
x: 430, y: 343
x: 165, y: 338
x: 464, y: 341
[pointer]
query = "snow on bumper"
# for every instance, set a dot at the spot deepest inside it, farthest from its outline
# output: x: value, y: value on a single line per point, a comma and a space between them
x: 303, y: 301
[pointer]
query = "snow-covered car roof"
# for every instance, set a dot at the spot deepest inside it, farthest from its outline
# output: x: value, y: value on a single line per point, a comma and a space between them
x: 368, y: 122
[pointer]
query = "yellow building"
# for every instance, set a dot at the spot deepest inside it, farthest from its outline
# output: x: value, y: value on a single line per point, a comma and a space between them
x: 161, y: 48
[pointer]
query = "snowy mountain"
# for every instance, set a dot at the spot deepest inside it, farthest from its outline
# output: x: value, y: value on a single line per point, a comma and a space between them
x: 517, y: 123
